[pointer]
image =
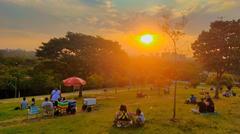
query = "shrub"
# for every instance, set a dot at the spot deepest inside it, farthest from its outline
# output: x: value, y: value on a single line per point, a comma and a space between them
x: 94, y: 81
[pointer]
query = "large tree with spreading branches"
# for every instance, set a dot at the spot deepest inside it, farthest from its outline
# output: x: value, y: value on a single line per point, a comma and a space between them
x: 218, y: 49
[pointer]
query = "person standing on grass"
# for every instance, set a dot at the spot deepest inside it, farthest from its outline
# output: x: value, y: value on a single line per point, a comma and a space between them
x: 55, y: 95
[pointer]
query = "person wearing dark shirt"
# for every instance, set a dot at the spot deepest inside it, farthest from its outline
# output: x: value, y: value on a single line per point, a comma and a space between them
x: 201, y: 107
x: 209, y: 105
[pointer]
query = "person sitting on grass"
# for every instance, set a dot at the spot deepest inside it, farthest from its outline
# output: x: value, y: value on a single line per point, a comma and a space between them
x: 209, y: 105
x: 24, y: 104
x: 33, y: 102
x: 202, y: 108
x: 191, y: 100
x: 202, y: 92
x: 166, y: 90
x: 123, y: 118
x: 229, y: 92
x: 207, y: 95
x: 139, y: 118
x: 47, y: 106
x: 140, y: 94
x: 47, y: 103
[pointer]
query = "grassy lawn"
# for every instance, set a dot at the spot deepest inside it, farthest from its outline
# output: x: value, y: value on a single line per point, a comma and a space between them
x: 156, y: 107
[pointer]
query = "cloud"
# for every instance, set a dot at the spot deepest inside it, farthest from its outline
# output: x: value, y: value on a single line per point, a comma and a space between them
x: 208, y: 6
x: 221, y: 5
x: 53, y: 7
x: 108, y: 18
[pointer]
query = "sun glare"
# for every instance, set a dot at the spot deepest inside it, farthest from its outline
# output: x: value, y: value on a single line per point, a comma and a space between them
x: 146, y: 39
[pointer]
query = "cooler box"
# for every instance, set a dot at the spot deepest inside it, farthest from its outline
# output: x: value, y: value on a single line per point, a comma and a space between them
x: 89, y: 101
x: 72, y: 103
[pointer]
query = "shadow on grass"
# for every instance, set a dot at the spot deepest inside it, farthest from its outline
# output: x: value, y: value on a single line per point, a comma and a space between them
x: 116, y: 130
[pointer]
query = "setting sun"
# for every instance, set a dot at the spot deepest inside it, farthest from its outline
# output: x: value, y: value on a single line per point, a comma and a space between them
x: 146, y: 39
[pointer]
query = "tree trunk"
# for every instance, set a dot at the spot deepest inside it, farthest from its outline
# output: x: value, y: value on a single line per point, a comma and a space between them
x: 175, y: 81
x: 80, y: 92
x: 219, y: 77
x: 174, y: 101
x: 217, y: 92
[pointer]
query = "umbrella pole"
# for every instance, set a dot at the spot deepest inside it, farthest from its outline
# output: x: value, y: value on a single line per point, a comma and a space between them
x: 73, y: 90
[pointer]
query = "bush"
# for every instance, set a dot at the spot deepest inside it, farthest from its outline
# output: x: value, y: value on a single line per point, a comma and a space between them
x: 94, y: 81
x: 194, y: 83
x: 227, y: 80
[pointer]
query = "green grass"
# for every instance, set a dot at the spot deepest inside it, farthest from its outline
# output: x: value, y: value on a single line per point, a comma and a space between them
x: 156, y: 107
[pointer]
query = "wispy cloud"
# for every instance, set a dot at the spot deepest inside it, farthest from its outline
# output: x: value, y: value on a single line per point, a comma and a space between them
x: 53, y: 7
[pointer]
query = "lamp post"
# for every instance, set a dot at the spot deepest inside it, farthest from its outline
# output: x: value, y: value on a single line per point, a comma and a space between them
x: 17, y: 81
x: 175, y: 81
x: 17, y: 92
x: 174, y: 34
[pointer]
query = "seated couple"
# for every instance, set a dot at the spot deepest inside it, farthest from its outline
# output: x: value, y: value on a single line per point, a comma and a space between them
x: 229, y: 92
x: 205, y: 106
x: 125, y: 119
x: 24, y: 103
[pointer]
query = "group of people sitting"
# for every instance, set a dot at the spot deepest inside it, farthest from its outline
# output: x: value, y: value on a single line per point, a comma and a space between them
x: 56, y: 103
x: 55, y: 97
x: 124, y: 118
x: 24, y: 104
x: 229, y: 92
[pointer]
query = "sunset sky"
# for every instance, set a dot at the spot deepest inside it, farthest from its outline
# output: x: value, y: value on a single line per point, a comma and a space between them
x: 26, y: 23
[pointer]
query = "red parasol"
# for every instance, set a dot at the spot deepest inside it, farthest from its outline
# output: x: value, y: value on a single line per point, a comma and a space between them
x: 74, y: 81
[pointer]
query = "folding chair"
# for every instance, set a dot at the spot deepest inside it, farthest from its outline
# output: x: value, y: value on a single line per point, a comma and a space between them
x: 62, y: 107
x: 33, y: 111
x: 48, y: 111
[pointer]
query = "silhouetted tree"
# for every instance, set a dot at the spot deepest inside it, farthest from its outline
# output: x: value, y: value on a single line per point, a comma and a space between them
x: 83, y: 55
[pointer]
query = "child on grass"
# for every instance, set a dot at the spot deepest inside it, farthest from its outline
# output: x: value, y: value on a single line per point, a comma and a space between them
x: 139, y: 118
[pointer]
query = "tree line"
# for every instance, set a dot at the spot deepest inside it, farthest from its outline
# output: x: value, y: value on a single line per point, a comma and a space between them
x: 103, y: 63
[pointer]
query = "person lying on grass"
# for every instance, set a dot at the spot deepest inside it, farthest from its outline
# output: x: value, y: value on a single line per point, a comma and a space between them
x: 123, y: 118
x: 141, y: 94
